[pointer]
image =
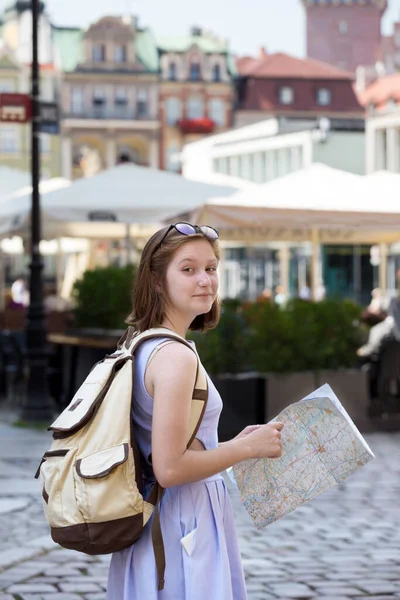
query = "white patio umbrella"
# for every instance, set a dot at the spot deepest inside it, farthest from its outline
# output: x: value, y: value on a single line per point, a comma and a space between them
x: 12, y: 180
x: 103, y: 205
x: 341, y: 206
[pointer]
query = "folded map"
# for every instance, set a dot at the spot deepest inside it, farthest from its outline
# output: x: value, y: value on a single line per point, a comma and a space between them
x: 321, y: 447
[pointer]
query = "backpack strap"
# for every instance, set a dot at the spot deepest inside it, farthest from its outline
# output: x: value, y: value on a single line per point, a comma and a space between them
x: 130, y: 342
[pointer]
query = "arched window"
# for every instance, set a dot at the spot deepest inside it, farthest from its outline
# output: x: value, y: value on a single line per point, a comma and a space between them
x: 172, y: 71
x: 194, y: 73
x: 173, y: 110
x: 216, y: 73
x: 195, y: 107
x: 216, y: 111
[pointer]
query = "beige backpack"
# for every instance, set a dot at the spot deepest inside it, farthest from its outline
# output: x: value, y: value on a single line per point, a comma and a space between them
x: 91, y: 477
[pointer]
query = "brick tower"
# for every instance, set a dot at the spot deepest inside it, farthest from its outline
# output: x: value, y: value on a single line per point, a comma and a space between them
x: 344, y: 33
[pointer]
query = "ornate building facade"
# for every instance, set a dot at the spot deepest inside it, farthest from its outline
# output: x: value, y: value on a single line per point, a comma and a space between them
x: 109, y: 96
x: 196, y: 91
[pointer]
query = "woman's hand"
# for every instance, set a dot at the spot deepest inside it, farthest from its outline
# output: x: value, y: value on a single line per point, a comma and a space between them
x: 262, y: 441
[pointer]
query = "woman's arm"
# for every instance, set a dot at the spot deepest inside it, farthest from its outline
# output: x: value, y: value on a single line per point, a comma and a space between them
x: 170, y: 377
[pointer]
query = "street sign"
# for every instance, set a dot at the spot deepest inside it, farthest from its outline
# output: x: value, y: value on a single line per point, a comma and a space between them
x: 49, y: 118
x: 15, y: 108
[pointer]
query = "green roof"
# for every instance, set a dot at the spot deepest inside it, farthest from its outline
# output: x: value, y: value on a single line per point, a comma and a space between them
x: 146, y: 49
x: 182, y: 43
x: 231, y: 64
x: 68, y: 41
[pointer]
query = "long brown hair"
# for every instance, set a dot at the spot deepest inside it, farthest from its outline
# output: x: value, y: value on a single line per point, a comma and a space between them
x: 148, y: 304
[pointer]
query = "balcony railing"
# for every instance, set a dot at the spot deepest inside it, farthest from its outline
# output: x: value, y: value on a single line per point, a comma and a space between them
x: 124, y: 115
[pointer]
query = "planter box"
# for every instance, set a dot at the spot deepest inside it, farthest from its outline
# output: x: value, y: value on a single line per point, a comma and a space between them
x: 284, y: 389
x: 351, y: 387
x: 244, y: 404
x: 257, y: 398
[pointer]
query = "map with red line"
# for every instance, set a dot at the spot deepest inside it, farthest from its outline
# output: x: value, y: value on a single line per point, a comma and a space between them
x: 321, y: 447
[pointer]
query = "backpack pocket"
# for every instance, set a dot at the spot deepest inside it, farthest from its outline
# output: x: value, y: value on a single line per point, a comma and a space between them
x: 57, y: 486
x: 105, y: 485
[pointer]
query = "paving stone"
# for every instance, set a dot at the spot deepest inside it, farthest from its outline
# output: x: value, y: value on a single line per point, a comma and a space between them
x: 59, y: 596
x: 295, y: 590
x: 31, y: 588
x: 16, y: 555
x: 340, y: 590
x: 381, y: 587
x: 79, y: 587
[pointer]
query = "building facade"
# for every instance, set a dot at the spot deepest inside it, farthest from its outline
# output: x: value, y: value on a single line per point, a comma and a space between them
x: 256, y: 153
x: 344, y: 33
x: 282, y: 85
x: 196, y: 91
x: 15, y: 60
x: 109, y: 96
x: 306, y: 94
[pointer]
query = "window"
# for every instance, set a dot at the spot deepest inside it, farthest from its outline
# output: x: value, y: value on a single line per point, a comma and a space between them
x: 216, y: 110
x: 121, y: 102
x: 195, y: 108
x: 120, y: 53
x: 99, y: 53
x: 216, y: 73
x: 343, y: 27
x: 324, y: 97
x: 99, y: 97
x: 99, y: 102
x: 172, y: 71
x: 45, y: 143
x: 121, y: 96
x: 7, y: 85
x: 142, y: 104
x: 9, y: 141
x: 194, y: 73
x: 77, y: 100
x: 173, y: 110
x: 286, y: 95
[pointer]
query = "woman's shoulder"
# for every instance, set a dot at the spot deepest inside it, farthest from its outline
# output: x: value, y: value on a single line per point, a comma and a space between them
x: 173, y: 356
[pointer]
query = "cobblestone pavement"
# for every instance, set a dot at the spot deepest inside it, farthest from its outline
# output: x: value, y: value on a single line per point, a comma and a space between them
x: 344, y: 544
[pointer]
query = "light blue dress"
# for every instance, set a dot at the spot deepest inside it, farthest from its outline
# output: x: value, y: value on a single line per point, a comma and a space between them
x: 213, y: 571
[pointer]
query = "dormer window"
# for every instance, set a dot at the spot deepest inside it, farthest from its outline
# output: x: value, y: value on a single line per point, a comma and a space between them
x: 216, y: 73
x: 286, y: 95
x: 120, y: 53
x: 324, y: 97
x: 99, y: 53
x: 172, y: 71
x: 194, y: 73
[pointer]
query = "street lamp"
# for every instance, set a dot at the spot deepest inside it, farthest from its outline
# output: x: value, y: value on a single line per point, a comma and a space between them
x: 37, y: 404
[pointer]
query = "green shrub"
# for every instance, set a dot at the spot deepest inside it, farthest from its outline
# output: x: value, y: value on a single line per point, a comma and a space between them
x: 302, y: 336
x: 102, y: 297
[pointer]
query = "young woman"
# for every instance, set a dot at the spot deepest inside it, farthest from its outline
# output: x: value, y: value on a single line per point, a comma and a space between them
x: 177, y: 287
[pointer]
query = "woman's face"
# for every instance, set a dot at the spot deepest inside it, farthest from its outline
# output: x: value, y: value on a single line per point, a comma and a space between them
x: 192, y: 279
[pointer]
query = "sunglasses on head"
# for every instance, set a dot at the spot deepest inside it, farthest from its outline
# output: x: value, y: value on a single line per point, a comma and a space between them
x: 188, y: 229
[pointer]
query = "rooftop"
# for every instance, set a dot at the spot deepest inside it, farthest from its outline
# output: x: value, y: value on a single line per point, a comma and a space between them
x: 280, y: 65
x: 381, y: 91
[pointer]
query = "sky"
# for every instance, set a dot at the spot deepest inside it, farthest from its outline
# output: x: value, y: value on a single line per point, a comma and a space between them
x: 278, y: 25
